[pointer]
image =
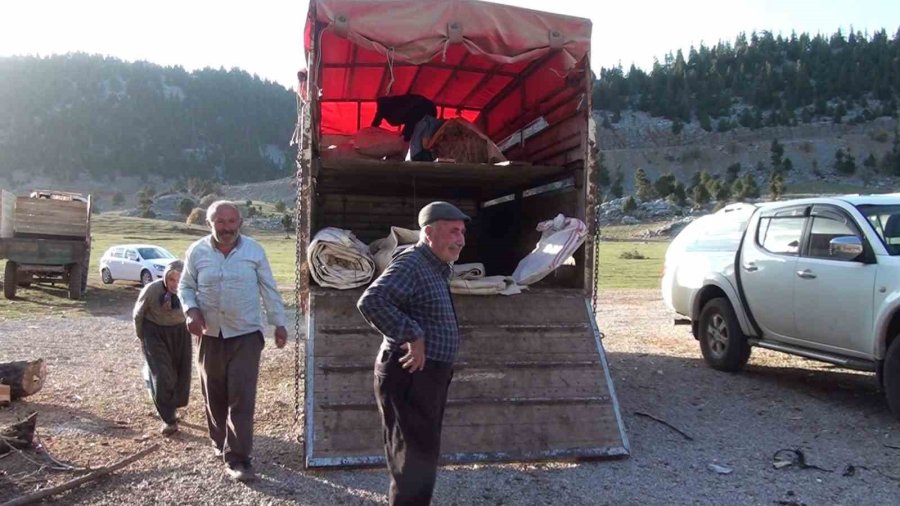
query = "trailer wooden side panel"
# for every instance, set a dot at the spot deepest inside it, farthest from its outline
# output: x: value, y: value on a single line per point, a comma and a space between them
x: 50, y: 217
x: 530, y: 382
x: 7, y: 213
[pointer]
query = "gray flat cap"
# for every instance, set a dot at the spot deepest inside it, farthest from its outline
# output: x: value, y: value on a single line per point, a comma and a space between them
x: 440, y: 211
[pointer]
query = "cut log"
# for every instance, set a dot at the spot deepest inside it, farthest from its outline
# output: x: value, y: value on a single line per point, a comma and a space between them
x: 24, y: 378
x: 19, y: 435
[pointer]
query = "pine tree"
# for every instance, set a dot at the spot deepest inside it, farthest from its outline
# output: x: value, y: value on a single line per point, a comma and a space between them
x: 603, y: 177
x: 678, y: 195
x: 642, y: 187
x: 777, y: 151
x: 751, y: 189
x: 616, y: 188
x: 664, y: 185
x: 700, y: 195
x: 776, y: 185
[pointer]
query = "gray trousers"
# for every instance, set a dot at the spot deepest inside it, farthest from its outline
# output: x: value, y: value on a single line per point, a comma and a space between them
x: 167, y: 349
x: 229, y: 369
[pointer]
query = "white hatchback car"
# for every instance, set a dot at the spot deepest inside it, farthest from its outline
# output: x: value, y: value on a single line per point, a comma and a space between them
x: 134, y: 262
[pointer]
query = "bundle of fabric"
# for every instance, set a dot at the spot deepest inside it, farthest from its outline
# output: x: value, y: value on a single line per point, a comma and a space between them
x: 560, y: 237
x: 469, y: 279
x: 490, y: 285
x: 337, y: 259
x: 468, y: 271
x: 384, y: 250
x: 461, y: 141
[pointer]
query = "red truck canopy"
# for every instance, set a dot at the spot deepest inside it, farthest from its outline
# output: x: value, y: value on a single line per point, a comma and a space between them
x: 461, y: 54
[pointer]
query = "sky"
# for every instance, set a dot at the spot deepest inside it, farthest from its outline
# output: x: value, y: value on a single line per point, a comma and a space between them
x: 265, y: 37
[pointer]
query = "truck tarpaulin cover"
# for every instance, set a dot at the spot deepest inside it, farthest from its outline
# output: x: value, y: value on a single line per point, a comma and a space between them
x: 459, y: 53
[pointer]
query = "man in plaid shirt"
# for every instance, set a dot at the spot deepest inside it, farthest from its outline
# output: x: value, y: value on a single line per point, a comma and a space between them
x: 410, y: 305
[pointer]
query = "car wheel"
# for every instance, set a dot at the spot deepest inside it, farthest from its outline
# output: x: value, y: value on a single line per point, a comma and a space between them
x: 146, y: 278
x: 892, y: 377
x: 106, y: 277
x: 722, y: 343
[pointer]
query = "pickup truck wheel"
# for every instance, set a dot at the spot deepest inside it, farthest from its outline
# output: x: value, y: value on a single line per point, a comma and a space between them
x: 722, y: 343
x: 892, y: 377
x: 9, y: 280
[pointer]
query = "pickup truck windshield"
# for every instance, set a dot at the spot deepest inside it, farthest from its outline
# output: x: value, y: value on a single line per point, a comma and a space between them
x: 886, y: 222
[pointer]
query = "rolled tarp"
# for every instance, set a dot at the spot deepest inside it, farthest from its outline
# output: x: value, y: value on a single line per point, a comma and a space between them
x: 337, y: 259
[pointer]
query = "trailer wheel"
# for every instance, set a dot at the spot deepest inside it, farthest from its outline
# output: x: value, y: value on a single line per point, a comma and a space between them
x: 75, y: 281
x: 892, y: 377
x: 722, y: 343
x: 9, y: 280
x: 25, y: 281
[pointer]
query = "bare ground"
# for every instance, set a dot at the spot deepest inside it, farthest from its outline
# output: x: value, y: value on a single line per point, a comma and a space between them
x: 94, y: 410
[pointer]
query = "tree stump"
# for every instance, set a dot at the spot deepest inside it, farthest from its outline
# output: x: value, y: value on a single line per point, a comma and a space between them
x: 19, y: 435
x: 24, y: 378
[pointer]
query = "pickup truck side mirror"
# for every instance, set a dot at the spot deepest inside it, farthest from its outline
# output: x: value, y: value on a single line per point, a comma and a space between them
x: 848, y: 247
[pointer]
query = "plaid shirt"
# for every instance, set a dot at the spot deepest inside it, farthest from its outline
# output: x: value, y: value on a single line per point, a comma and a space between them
x: 411, y: 300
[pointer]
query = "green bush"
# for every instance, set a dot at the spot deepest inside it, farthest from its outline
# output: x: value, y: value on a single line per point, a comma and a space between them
x: 185, y: 207
x: 197, y: 217
x: 632, y: 255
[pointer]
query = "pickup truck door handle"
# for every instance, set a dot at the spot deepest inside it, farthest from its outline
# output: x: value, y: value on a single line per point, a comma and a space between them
x: 806, y: 274
x: 750, y: 267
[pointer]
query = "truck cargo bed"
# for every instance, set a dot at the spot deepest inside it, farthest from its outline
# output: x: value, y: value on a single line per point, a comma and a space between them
x: 531, y: 382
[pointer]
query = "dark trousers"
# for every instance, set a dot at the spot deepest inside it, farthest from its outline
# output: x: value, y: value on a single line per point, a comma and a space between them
x: 412, y: 412
x: 229, y: 369
x: 167, y: 350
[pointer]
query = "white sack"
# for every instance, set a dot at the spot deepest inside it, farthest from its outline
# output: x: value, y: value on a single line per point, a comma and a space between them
x: 560, y: 237
x: 384, y: 250
x: 337, y: 259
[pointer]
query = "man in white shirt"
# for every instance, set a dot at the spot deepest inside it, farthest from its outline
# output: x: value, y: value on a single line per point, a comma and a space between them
x: 225, y: 276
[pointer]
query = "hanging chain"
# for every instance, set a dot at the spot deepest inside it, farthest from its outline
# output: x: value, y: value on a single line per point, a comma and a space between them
x: 595, y: 208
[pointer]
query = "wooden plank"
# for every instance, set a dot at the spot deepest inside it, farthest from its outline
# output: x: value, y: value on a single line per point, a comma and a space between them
x: 50, y: 217
x: 481, y: 429
x: 508, y: 343
x: 546, y: 307
x: 474, y: 385
x: 7, y: 213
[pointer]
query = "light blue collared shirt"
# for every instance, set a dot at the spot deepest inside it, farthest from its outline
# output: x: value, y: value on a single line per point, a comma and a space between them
x: 227, y: 290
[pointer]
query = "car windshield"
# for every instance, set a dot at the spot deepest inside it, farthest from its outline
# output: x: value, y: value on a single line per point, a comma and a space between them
x: 886, y: 222
x: 154, y: 253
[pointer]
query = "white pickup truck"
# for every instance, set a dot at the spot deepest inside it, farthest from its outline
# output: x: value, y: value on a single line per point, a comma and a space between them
x: 818, y: 278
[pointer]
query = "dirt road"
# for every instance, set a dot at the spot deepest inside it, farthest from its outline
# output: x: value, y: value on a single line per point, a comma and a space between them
x: 94, y: 410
